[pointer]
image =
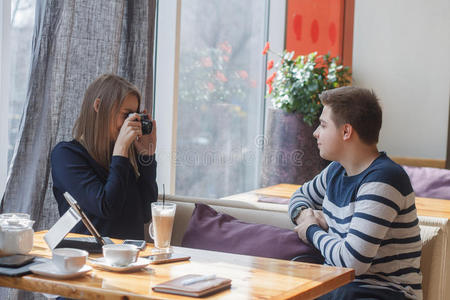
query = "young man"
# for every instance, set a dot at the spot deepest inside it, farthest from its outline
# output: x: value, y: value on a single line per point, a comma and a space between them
x: 359, y: 211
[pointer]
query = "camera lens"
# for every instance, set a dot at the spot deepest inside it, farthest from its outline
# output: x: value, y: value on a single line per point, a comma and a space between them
x: 147, y: 125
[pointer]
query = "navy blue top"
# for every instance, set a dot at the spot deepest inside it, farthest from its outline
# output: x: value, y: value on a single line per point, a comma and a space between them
x: 117, y: 203
x: 373, y: 224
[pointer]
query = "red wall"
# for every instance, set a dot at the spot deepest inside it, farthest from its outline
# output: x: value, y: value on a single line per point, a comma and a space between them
x: 320, y: 25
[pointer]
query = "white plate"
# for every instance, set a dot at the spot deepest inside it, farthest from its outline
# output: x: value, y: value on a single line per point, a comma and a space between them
x: 139, y: 264
x: 50, y: 270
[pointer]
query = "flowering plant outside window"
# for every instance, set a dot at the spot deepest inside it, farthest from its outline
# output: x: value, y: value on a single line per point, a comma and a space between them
x: 296, y: 83
x: 209, y: 75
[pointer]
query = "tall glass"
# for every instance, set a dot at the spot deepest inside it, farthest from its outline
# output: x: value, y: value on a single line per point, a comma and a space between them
x: 160, y: 230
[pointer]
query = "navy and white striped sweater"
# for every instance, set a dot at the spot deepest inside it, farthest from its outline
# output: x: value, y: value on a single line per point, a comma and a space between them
x: 373, y: 225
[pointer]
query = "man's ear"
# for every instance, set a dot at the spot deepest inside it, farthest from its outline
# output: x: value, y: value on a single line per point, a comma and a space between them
x: 347, y: 131
x: 97, y: 104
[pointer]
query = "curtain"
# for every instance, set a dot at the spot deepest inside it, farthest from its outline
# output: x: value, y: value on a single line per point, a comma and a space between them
x: 74, y: 42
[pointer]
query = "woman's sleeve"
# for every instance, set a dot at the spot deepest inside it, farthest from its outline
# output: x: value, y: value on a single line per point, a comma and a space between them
x: 147, y: 183
x: 72, y: 172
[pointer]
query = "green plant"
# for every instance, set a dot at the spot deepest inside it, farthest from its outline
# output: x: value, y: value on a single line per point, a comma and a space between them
x: 296, y: 84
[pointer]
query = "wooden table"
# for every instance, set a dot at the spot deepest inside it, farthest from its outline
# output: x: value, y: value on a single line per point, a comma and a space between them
x: 252, y: 277
x: 425, y: 206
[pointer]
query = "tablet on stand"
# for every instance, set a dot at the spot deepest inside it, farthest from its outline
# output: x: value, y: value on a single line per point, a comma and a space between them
x: 56, y: 236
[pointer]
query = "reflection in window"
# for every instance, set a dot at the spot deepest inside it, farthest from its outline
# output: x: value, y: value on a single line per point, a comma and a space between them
x: 220, y: 96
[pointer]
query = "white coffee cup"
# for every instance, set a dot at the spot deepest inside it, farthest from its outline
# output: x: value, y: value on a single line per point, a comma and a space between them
x: 120, y: 254
x: 69, y: 260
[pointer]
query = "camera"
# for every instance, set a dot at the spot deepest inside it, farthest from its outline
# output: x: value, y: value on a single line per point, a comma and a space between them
x: 146, y: 124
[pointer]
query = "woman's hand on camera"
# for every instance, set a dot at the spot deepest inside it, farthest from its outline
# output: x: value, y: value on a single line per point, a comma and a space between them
x: 146, y: 144
x: 128, y: 133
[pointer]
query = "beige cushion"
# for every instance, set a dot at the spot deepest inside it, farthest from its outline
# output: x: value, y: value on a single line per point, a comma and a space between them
x: 260, y: 213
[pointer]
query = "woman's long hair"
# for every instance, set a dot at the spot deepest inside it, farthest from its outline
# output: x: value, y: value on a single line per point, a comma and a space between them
x: 92, y: 129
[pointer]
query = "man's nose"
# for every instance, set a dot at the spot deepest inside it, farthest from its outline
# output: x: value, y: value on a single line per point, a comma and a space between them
x: 316, y: 133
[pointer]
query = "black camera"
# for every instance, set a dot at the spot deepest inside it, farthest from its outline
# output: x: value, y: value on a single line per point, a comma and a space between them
x: 146, y: 124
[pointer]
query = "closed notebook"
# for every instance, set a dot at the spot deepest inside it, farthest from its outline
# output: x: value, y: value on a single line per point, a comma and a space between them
x: 197, y: 289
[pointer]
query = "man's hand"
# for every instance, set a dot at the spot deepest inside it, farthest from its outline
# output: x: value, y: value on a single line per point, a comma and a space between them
x: 321, y: 218
x: 307, y: 218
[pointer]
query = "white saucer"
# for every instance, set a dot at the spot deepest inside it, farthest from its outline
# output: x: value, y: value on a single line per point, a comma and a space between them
x: 139, y: 264
x: 50, y: 270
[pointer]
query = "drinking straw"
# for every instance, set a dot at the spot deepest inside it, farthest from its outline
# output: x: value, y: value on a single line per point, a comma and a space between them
x: 164, y: 195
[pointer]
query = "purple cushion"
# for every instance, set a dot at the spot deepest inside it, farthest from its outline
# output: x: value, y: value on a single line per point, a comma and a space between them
x: 215, y: 231
x: 429, y: 182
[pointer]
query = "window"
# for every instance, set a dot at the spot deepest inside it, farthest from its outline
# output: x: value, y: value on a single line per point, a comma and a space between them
x: 208, y: 59
x: 210, y: 135
x: 16, y: 38
x: 219, y: 96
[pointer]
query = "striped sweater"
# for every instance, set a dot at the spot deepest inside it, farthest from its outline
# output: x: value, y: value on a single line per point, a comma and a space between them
x: 373, y: 225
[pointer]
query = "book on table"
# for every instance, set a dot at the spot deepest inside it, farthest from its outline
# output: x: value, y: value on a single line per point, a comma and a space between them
x: 193, y: 285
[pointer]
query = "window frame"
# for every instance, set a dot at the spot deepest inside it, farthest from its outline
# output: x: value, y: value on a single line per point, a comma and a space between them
x: 5, y: 29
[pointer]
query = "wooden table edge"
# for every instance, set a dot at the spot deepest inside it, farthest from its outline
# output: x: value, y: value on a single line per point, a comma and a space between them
x: 315, y: 289
x: 64, y: 289
x: 41, y: 284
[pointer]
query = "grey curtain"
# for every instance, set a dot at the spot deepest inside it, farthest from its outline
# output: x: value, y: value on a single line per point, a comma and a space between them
x: 74, y: 42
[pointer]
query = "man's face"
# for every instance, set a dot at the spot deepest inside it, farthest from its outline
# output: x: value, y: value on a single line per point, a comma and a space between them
x: 329, y: 139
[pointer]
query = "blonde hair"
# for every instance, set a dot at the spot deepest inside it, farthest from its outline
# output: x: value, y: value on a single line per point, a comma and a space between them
x: 92, y: 129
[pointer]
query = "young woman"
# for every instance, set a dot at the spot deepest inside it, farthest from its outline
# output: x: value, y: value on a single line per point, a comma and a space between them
x: 109, y: 167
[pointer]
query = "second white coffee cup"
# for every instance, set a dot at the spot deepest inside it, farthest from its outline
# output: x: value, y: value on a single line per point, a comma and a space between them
x: 120, y: 254
x: 69, y: 260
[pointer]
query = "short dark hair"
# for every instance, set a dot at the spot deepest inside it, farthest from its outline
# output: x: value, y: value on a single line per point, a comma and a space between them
x: 358, y: 107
